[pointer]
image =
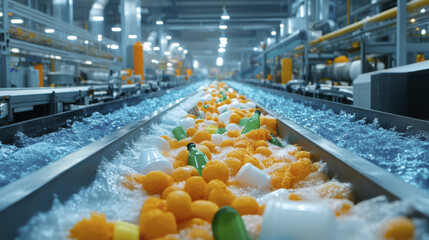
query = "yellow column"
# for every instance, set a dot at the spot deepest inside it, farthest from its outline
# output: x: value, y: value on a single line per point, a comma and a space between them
x: 138, y: 60
x: 286, y: 70
x: 39, y: 67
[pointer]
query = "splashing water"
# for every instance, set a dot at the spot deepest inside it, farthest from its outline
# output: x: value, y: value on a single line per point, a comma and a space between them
x: 30, y: 154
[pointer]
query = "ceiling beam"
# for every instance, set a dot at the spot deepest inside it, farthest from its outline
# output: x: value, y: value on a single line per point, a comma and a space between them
x: 211, y: 3
x: 207, y: 27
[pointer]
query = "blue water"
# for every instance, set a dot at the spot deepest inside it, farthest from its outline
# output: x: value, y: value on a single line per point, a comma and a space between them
x: 30, y: 154
x: 404, y: 154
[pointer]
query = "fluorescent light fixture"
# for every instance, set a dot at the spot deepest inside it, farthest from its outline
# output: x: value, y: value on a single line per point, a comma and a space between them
x: 422, y: 10
x: 155, y: 61
x: 114, y: 46
x: 86, y: 42
x: 168, y: 37
x: 147, y: 44
x: 159, y: 22
x: 423, y: 32
x: 72, y: 37
x: 52, y: 56
x: 223, y: 39
x: 222, y: 45
x: 167, y: 53
x: 132, y: 36
x: 219, y: 61
x: 100, y: 37
x: 17, y: 21
x: 282, y: 25
x: 169, y: 64
x: 14, y: 50
x: 413, y: 20
x: 255, y: 49
x: 156, y: 48
x: 175, y: 44
x: 58, y: 57
x: 108, y: 45
x: 116, y: 29
x: 185, y: 51
x: 98, y: 18
x: 195, y: 64
x: 1, y: 14
x: 273, y: 33
x: 49, y: 30
x: 88, y: 62
x: 221, y: 50
x: 225, y: 17
x: 180, y: 48
x: 223, y: 26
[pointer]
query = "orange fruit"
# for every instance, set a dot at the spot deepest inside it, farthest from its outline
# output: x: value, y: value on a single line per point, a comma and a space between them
x: 204, y: 209
x: 216, y: 170
x: 195, y: 186
x: 156, y: 181
x: 179, y: 203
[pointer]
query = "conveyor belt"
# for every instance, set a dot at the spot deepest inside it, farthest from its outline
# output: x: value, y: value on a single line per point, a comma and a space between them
x: 23, y: 199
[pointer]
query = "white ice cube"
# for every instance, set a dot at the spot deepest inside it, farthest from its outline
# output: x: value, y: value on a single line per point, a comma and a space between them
x: 187, y: 122
x: 250, y: 105
x: 224, y: 117
x: 160, y: 143
x: 236, y: 105
x: 252, y: 176
x: 151, y: 160
x: 298, y: 221
x: 232, y: 127
x: 217, y: 139
x: 279, y: 194
x: 222, y: 108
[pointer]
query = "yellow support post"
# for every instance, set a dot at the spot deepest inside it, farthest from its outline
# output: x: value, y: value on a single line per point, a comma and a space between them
x: 348, y: 12
x: 39, y: 67
x: 138, y: 60
x: 286, y: 70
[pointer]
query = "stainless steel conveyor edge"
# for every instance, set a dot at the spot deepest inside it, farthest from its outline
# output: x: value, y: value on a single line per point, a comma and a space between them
x: 386, y: 120
x: 21, y: 200
x: 42, y: 125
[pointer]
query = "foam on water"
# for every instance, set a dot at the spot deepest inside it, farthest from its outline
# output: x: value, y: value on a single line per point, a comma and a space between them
x: 106, y: 194
x: 30, y: 154
x: 403, y: 154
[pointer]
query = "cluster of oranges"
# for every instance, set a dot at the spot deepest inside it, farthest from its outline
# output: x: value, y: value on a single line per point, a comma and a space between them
x: 183, y: 204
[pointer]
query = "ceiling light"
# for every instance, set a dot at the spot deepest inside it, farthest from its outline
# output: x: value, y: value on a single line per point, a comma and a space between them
x: 1, y: 14
x: 159, y: 22
x: 223, y: 39
x: 147, y: 44
x: 222, y: 45
x: 175, y: 44
x: 49, y: 30
x: 86, y: 42
x: 412, y: 20
x: 98, y: 18
x: 273, y: 33
x: 180, y: 48
x: 132, y: 36
x: 14, y: 50
x: 114, y: 46
x: 221, y: 50
x: 225, y: 17
x: 169, y: 64
x: 108, y: 46
x: 17, y: 21
x: 185, y: 51
x: 156, y: 48
x: 422, y: 10
x: 195, y: 64
x: 167, y: 53
x: 88, y: 62
x: 282, y: 25
x: 71, y: 37
x: 155, y: 61
x: 255, y: 49
x: 100, y: 37
x: 219, y: 61
x: 423, y: 32
x: 116, y: 29
x: 58, y: 57
x: 223, y: 26
x: 168, y: 37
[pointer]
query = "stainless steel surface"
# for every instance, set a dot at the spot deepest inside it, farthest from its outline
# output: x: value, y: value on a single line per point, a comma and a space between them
x: 62, y: 79
x: 3, y: 110
x: 21, y: 200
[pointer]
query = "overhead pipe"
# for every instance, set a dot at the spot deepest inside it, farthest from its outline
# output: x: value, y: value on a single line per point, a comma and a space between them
x: 391, y: 13
x: 97, y: 10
